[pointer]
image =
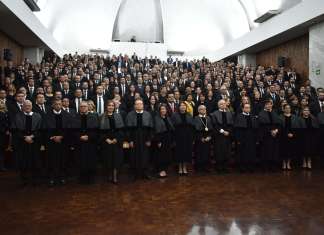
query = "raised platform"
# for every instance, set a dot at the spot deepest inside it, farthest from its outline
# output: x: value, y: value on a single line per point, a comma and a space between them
x: 142, y: 49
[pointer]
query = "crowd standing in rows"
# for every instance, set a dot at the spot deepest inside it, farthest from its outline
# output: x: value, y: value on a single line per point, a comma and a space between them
x: 86, y: 110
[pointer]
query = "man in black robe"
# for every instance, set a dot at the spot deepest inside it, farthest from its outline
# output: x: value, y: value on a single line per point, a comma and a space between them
x: 269, y: 136
x: 85, y: 127
x: 246, y: 129
x: 56, y: 124
x: 223, y: 124
x: 140, y: 134
x: 26, y: 127
x: 203, y: 130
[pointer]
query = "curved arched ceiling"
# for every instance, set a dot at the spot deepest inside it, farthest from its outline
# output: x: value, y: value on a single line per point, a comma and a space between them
x: 196, y: 27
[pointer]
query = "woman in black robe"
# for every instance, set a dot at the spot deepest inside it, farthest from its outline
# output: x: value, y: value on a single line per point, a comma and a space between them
x: 86, y: 137
x: 153, y: 109
x: 269, y: 131
x: 26, y: 127
x: 139, y: 125
x: 164, y: 131
x: 246, y: 127
x: 203, y: 139
x: 111, y: 141
x: 290, y: 125
x: 309, y: 137
x: 184, y: 138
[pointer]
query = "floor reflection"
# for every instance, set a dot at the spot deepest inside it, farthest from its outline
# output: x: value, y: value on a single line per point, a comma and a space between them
x: 251, y: 204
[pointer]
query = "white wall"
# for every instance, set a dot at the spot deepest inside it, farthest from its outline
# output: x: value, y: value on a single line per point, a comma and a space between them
x: 34, y: 54
x: 293, y: 17
x: 316, y: 55
x: 21, y: 10
x: 131, y: 14
x: 247, y: 60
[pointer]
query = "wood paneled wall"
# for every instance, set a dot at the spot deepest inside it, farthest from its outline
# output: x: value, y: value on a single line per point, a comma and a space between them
x: 296, y: 51
x: 16, y: 49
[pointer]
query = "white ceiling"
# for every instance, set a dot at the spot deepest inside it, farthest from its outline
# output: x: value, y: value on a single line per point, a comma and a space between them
x: 196, y: 27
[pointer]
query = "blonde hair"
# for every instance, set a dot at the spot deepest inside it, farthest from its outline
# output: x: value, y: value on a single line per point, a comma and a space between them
x: 92, y: 106
x: 3, y: 107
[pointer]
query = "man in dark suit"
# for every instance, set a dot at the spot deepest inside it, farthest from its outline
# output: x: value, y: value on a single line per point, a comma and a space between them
x: 317, y: 106
x: 86, y: 92
x: 171, y: 106
x: 273, y: 96
x: 76, y: 83
x: 76, y: 101
x: 99, y: 100
x: 67, y: 92
x: 40, y: 105
x: 31, y: 89
x: 123, y: 88
x: 16, y: 106
x: 59, y: 85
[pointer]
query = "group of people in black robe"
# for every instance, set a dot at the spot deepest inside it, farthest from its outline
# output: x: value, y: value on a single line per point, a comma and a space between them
x: 85, y: 111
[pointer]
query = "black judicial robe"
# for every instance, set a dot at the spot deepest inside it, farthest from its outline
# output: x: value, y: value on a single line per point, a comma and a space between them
x: 4, y: 127
x: 309, y: 136
x: 288, y: 146
x: 202, y: 149
x: 86, y: 152
x: 246, y: 135
x: 184, y: 137
x: 223, y: 144
x: 320, y: 118
x: 164, y: 131
x: 112, y: 127
x: 269, y: 145
x: 27, y: 154
x: 140, y: 131
x: 56, y: 125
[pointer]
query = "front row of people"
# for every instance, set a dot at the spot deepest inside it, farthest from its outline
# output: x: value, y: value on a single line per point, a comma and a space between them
x: 160, y: 137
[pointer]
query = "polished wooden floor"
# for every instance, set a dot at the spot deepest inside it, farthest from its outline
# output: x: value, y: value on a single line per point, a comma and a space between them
x: 277, y: 203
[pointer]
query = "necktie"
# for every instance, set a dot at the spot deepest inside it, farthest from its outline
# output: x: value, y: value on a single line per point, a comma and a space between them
x: 99, y: 105
x: 77, y: 104
x: 322, y: 106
